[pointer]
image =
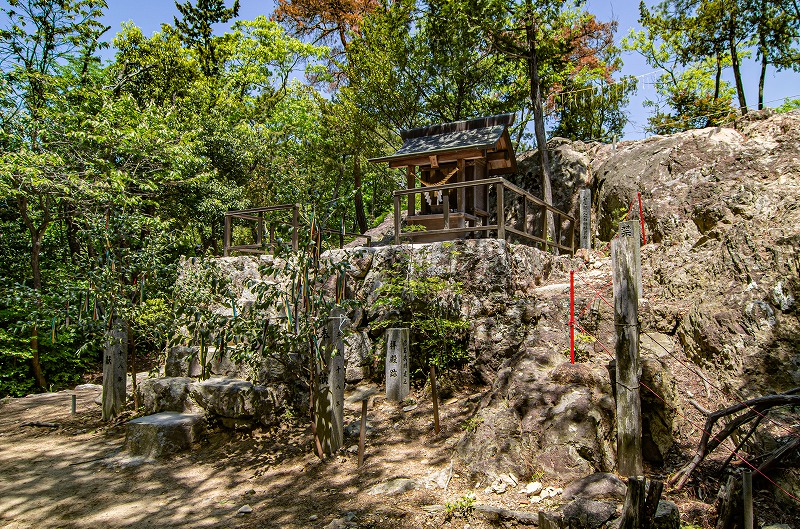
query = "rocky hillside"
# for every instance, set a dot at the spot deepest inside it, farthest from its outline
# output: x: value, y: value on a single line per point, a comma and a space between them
x: 720, y: 319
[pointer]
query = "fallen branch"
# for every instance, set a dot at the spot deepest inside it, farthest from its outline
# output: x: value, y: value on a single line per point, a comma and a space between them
x: 42, y: 424
x: 708, y: 443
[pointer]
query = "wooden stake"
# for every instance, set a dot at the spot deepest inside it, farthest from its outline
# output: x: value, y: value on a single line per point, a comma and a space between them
x: 633, y: 511
x: 435, y: 395
x: 624, y: 251
x: 362, y: 436
x: 747, y: 496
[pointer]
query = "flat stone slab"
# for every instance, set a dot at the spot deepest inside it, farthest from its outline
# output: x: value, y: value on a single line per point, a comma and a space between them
x: 163, y: 433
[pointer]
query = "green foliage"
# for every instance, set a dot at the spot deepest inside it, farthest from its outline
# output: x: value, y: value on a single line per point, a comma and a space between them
x: 788, y: 105
x: 689, y: 95
x: 430, y: 306
x: 472, y: 424
x: 463, y: 507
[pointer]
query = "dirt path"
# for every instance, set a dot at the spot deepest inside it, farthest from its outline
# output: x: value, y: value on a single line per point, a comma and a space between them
x: 79, y: 476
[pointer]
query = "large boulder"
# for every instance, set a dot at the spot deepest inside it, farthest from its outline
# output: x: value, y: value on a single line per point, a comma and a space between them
x: 164, y: 394
x: 723, y: 207
x: 543, y: 414
x: 240, y: 401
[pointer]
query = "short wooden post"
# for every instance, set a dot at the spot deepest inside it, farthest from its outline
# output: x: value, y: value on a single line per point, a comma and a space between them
x: 362, y: 395
x: 396, y: 218
x: 633, y: 512
x: 341, y: 233
x: 260, y: 229
x: 626, y: 319
x: 501, y: 211
x: 747, y: 496
x: 557, y: 237
x: 272, y: 238
x: 397, y: 368
x: 435, y: 396
x: 446, y: 209
x: 295, y: 227
x: 586, y: 218
x: 524, y: 214
x: 362, y: 434
x: 226, y: 243
x: 74, y: 404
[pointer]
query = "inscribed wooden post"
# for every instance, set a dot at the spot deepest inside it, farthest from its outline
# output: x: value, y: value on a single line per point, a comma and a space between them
x: 115, y: 366
x: 329, y: 403
x: 625, y: 264
x: 586, y: 218
x: 632, y: 230
x: 397, y: 364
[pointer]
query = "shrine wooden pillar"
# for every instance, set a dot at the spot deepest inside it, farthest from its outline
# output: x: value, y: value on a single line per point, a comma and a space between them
x: 411, y: 183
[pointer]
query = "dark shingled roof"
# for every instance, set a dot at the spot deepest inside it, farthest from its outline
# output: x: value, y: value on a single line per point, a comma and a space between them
x: 484, y: 138
x: 480, y: 133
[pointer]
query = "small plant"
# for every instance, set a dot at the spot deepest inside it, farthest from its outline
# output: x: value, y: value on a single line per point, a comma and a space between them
x: 413, y: 228
x: 462, y: 507
x: 471, y: 424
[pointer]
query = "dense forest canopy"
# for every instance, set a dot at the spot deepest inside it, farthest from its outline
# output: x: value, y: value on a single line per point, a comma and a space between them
x: 111, y: 170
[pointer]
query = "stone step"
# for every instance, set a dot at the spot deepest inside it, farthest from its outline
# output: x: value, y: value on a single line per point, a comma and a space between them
x: 162, y: 434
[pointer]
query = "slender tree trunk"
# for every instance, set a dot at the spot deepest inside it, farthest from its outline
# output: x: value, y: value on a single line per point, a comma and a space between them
x: 36, y: 233
x: 538, y: 123
x: 762, y: 47
x: 361, y: 217
x: 737, y: 72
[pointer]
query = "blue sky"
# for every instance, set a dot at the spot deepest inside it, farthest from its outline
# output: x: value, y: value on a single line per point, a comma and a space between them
x: 150, y: 14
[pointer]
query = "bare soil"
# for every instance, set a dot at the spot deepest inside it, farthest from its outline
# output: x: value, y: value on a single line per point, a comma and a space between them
x: 78, y: 474
x: 75, y: 473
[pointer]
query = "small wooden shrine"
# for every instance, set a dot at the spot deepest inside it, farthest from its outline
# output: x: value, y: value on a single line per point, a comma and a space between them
x: 453, y: 153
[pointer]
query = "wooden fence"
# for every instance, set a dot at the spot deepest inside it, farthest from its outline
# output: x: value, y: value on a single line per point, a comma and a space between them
x: 517, y: 225
x: 284, y: 215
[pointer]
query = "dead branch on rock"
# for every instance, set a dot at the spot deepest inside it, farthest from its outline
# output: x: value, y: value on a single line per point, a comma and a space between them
x: 708, y: 443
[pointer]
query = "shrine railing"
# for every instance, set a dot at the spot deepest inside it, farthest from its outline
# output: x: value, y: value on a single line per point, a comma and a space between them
x: 270, y: 222
x: 507, y: 220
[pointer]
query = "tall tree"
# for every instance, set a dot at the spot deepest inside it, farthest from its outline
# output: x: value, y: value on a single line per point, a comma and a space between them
x: 553, y: 39
x: 197, y: 32
x: 38, y: 38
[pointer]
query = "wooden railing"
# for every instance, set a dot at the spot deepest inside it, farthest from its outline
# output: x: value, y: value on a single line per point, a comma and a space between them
x: 502, y: 227
x: 265, y: 226
x: 257, y: 215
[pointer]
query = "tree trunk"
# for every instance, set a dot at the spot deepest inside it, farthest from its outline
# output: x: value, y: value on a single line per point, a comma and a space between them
x: 538, y: 125
x: 737, y: 72
x: 361, y: 217
x: 36, y: 233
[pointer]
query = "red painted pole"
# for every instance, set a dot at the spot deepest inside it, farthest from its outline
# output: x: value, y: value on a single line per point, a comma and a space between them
x: 572, y: 316
x: 641, y: 219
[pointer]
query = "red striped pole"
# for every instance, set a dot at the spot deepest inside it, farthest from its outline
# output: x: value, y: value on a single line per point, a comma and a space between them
x: 641, y: 219
x: 572, y: 316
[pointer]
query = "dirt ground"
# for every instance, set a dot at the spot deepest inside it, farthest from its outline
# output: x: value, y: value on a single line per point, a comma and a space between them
x: 77, y: 475
x: 63, y: 471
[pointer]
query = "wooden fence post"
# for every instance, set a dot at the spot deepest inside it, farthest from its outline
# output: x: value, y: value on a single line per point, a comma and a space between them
x: 295, y: 227
x: 501, y: 211
x: 226, y: 243
x: 396, y: 218
x: 626, y: 319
